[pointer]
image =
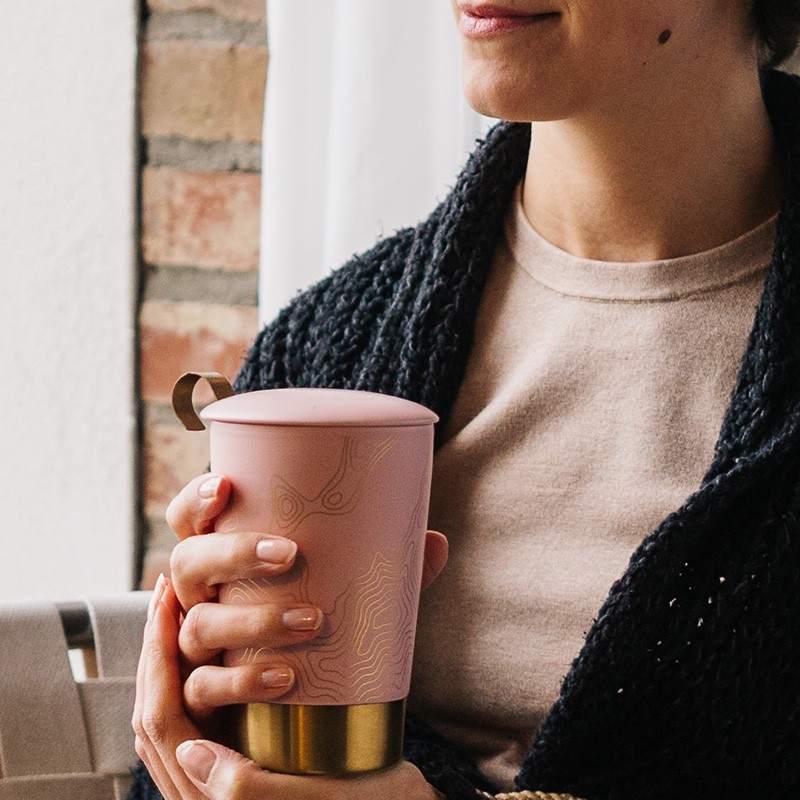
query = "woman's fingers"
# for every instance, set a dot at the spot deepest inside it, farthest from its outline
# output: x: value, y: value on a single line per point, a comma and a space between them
x: 194, y: 509
x: 211, y: 627
x: 199, y: 563
x: 142, y: 746
x: 436, y: 549
x: 159, y: 720
x: 209, y: 688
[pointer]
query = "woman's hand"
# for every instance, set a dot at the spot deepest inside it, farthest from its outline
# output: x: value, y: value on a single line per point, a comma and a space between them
x: 186, y: 767
x: 201, y: 561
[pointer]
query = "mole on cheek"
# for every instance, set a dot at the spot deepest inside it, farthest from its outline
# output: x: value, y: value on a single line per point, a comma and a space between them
x: 663, y: 37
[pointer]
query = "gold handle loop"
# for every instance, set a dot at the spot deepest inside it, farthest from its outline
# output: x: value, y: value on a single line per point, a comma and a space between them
x: 182, y: 396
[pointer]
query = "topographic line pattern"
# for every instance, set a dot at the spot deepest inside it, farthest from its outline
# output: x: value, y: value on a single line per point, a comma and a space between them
x: 372, y: 619
x: 340, y: 495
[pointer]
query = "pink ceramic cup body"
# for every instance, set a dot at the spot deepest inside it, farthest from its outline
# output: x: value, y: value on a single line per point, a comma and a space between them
x: 346, y: 475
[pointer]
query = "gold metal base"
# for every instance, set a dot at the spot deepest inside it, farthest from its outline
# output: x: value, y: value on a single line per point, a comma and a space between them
x: 322, y: 740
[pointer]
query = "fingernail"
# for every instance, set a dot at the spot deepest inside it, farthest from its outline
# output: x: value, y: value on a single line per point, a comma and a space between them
x: 208, y: 488
x: 168, y: 594
x: 276, y: 551
x: 302, y: 619
x: 197, y: 759
x: 277, y: 677
x: 158, y: 591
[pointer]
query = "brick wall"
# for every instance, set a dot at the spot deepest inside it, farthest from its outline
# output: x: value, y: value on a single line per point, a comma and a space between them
x: 203, y: 68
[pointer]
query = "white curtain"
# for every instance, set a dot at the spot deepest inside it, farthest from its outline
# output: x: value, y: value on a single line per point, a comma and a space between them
x: 365, y: 129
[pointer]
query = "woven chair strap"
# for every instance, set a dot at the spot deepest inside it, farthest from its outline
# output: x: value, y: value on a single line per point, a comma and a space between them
x: 59, y: 739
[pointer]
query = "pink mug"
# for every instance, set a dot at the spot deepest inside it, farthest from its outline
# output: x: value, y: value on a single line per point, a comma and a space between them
x: 346, y: 475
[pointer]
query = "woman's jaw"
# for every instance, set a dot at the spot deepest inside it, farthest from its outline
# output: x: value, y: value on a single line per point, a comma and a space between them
x: 538, y: 60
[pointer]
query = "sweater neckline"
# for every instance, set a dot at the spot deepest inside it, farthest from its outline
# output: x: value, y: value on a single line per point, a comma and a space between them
x: 642, y: 281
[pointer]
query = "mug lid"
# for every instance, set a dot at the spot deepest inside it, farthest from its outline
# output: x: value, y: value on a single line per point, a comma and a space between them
x: 318, y: 407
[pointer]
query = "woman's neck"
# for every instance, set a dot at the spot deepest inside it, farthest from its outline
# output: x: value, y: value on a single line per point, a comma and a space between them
x: 689, y: 169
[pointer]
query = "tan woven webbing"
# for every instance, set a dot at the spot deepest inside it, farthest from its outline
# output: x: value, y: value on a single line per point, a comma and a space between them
x: 63, y: 739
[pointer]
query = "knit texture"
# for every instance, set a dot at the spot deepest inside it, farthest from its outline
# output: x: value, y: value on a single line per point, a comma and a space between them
x: 399, y: 318
x: 688, y: 684
x: 143, y: 787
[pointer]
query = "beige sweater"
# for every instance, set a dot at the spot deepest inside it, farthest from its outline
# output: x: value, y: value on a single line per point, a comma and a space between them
x: 592, y: 401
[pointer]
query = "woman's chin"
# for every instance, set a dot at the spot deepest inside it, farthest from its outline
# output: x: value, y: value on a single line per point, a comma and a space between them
x: 516, y: 101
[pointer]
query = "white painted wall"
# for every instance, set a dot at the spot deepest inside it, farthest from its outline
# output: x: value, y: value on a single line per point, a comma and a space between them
x: 67, y: 268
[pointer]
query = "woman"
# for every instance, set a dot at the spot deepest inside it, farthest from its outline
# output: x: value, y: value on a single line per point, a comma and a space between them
x: 576, y: 311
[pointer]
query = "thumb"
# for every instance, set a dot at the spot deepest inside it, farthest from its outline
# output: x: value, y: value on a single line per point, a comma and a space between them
x: 219, y: 772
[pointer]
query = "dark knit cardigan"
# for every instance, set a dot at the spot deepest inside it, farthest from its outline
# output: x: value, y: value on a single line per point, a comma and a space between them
x: 688, y: 684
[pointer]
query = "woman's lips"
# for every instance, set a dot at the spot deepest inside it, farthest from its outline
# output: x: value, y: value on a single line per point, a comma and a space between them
x: 477, y: 21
